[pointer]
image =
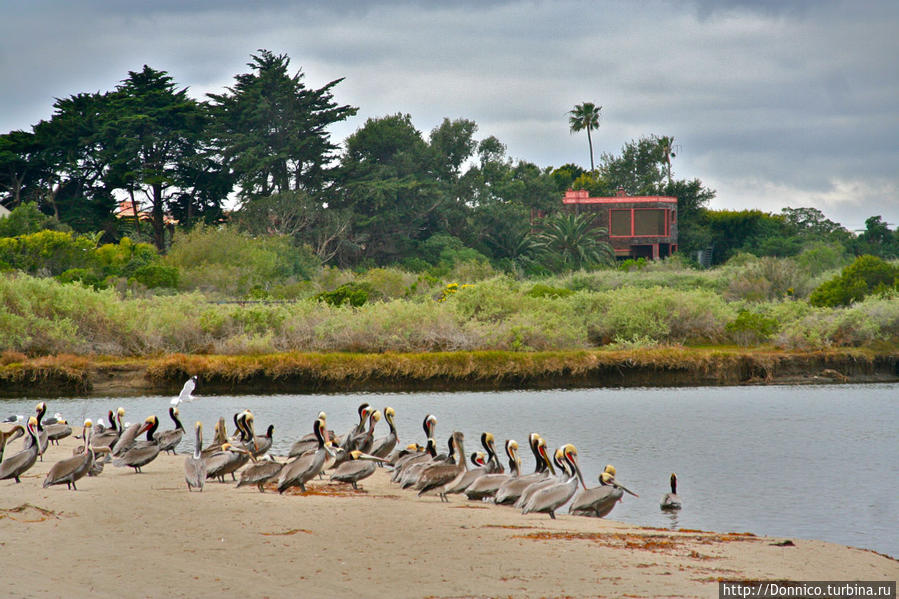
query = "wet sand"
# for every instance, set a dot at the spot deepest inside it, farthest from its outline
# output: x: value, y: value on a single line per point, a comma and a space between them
x: 143, y: 535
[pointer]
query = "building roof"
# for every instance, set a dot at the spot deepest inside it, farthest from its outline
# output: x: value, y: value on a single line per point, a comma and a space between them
x: 582, y: 196
x: 4, y: 211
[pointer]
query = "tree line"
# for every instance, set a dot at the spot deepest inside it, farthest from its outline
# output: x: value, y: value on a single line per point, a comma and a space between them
x: 389, y: 195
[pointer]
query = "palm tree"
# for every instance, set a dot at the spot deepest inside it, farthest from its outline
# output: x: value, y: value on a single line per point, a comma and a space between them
x: 666, y: 146
x: 569, y: 241
x: 585, y: 116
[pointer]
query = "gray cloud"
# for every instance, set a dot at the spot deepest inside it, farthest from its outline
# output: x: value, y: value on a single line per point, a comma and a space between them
x: 777, y: 102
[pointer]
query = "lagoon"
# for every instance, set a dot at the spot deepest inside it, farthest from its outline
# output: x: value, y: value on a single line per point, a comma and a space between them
x: 797, y: 462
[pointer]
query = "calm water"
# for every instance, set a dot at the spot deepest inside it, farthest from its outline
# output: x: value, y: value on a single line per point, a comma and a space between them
x: 790, y: 461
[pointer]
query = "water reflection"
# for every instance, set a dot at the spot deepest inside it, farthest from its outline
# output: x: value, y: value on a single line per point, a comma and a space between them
x: 673, y: 520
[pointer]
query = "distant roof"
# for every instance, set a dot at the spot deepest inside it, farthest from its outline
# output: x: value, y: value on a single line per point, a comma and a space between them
x: 582, y: 196
x: 4, y: 211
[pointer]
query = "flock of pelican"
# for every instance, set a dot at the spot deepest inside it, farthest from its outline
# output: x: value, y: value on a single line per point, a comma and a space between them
x: 554, y: 482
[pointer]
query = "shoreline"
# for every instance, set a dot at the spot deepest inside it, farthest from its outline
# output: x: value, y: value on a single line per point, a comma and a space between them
x: 67, y: 375
x: 379, y: 542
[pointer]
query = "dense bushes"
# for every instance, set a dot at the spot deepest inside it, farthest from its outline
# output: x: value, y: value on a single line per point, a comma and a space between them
x: 228, y: 263
x: 866, y: 276
x: 749, y: 301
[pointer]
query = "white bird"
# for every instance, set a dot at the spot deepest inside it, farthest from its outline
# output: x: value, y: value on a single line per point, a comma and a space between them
x: 186, y: 391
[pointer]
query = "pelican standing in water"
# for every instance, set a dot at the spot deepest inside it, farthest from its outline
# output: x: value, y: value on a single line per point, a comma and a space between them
x: 599, y: 501
x: 195, y: 465
x: 18, y: 464
x: 671, y: 501
x: 69, y: 470
x: 549, y: 499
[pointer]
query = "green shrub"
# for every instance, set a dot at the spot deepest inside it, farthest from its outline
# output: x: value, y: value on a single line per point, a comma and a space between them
x: 26, y: 219
x: 749, y: 328
x: 82, y: 275
x: 230, y: 263
x: 542, y: 290
x: 353, y: 294
x: 47, y: 252
x: 867, y: 275
x: 630, y: 264
x: 152, y: 276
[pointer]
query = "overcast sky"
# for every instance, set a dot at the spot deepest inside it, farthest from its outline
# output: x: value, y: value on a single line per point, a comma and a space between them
x: 773, y: 103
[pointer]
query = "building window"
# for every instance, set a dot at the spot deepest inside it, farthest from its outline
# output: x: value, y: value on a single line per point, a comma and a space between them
x: 638, y: 222
x: 620, y: 223
x: 649, y: 222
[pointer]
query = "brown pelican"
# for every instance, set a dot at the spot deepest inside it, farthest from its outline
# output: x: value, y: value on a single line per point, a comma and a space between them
x: 352, y: 438
x: 126, y: 439
x: 220, y: 437
x: 599, y: 501
x: 308, y: 442
x: 549, y: 499
x: 11, y: 435
x: 436, y: 477
x: 44, y: 440
x: 109, y: 436
x: 306, y: 467
x: 141, y: 453
x: 17, y: 464
x: 169, y: 440
x: 365, y: 441
x: 260, y: 473
x: 195, y: 465
x: 487, y: 485
x: 248, y: 429
x: 466, y: 479
x: 382, y: 447
x: 413, y: 469
x: 264, y: 443
x: 397, y: 456
x: 463, y: 479
x: 71, y: 469
x: 489, y: 443
x: 233, y: 455
x: 59, y: 429
x: 226, y: 460
x: 357, y: 467
x: 511, y: 490
x: 403, y: 464
x: 671, y: 501
x: 545, y: 482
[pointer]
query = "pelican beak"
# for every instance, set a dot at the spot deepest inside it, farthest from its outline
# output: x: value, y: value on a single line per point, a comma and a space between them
x: 369, y: 458
x: 623, y: 488
x: 626, y: 490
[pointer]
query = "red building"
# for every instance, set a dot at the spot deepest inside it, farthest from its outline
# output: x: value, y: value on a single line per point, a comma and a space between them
x: 638, y: 226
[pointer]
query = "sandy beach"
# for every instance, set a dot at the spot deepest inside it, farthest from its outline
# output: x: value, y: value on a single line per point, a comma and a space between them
x: 143, y: 535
